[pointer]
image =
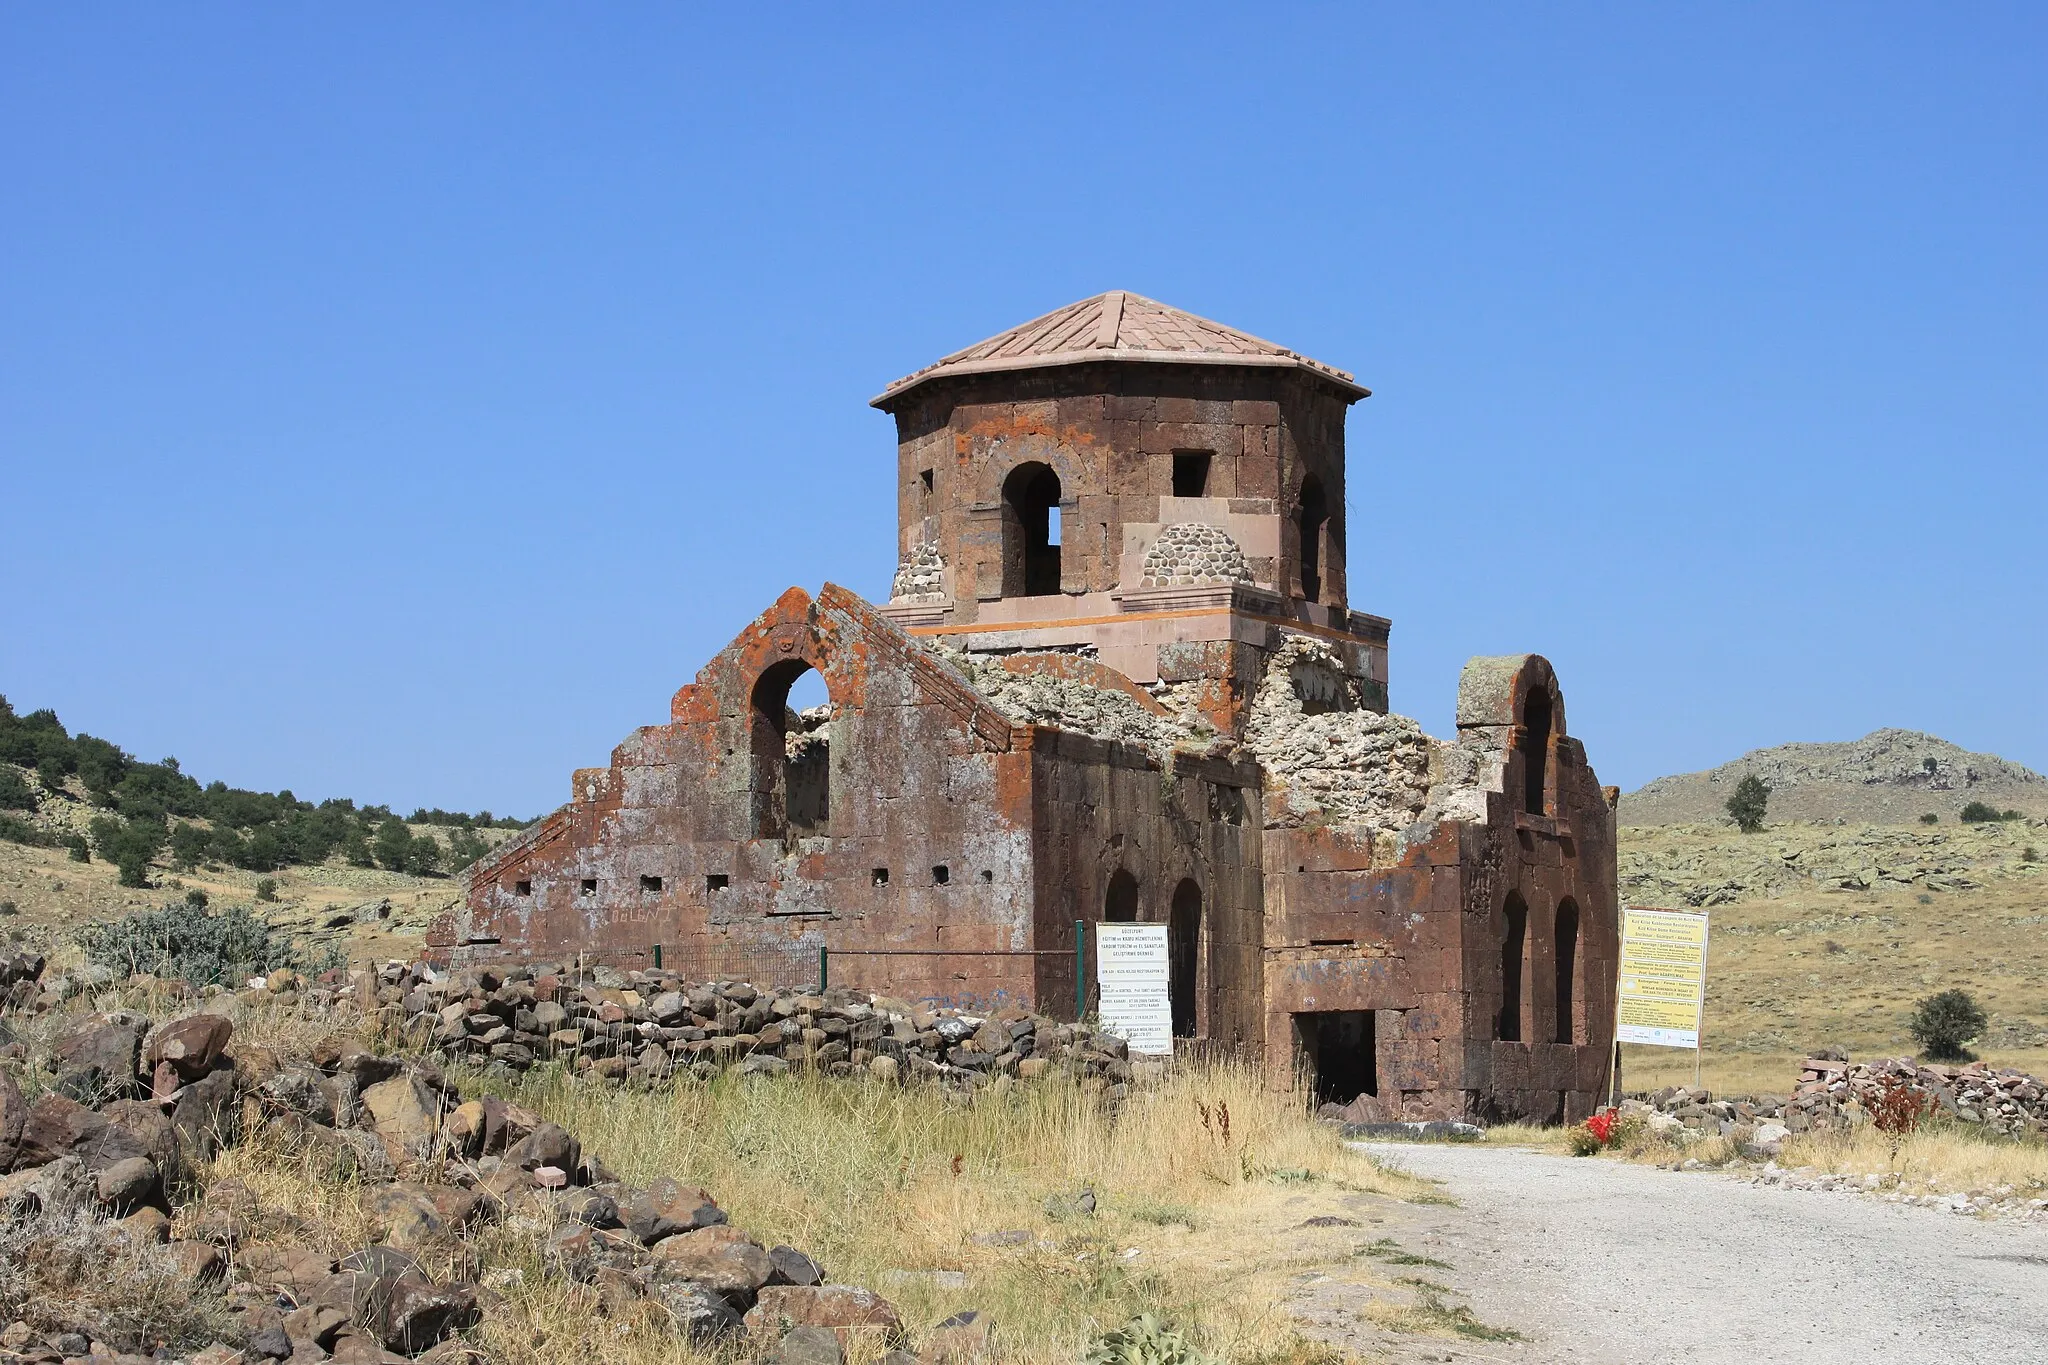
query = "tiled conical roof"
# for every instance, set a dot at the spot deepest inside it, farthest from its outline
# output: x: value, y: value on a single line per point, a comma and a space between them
x: 1116, y: 326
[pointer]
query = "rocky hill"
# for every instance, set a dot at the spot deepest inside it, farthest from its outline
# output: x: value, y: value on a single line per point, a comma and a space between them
x: 1888, y: 777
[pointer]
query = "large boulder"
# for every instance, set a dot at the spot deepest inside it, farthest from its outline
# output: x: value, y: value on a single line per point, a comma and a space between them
x: 405, y: 1113
x: 13, y: 1114
x: 700, y: 1314
x: 410, y: 1314
x: 844, y: 1308
x: 547, y: 1145
x: 724, y: 1258
x: 128, y: 1184
x: 190, y: 1045
x: 666, y: 1208
x: 104, y: 1053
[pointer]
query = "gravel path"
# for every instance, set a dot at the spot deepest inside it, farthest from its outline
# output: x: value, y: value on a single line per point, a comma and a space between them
x: 1596, y: 1261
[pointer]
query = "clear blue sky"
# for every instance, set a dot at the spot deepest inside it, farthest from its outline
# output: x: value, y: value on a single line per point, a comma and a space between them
x: 401, y: 402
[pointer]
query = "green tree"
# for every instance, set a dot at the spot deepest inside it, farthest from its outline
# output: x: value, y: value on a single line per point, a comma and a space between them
x: 423, y: 859
x: 130, y: 845
x: 189, y: 846
x: 15, y: 792
x: 1752, y: 796
x: 393, y: 845
x: 1945, y: 1024
x: 1977, y: 813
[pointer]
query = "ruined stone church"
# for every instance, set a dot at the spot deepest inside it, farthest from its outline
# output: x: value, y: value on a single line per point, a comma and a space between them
x: 1118, y: 679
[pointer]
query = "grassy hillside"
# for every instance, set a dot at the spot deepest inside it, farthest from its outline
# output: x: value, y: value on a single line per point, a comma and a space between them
x: 1827, y: 934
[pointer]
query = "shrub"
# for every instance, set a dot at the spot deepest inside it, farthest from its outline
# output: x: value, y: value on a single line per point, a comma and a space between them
x: 1144, y: 1340
x: 81, y: 851
x: 1752, y: 796
x: 266, y: 888
x: 16, y: 830
x: 205, y: 949
x: 1930, y: 819
x: 15, y: 792
x: 1977, y: 813
x: 1945, y: 1024
x: 2010, y: 815
x: 196, y: 898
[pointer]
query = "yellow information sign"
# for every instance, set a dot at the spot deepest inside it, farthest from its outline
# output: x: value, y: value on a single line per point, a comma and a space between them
x: 1663, y: 978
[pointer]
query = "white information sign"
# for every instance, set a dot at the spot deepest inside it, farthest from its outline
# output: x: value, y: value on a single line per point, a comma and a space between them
x: 1130, y: 970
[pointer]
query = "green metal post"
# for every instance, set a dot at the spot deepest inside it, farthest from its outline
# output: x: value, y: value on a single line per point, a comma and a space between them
x: 1080, y: 970
x: 657, y: 957
x: 824, y: 974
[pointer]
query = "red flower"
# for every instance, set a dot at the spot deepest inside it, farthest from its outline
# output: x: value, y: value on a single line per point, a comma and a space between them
x: 1601, y: 1126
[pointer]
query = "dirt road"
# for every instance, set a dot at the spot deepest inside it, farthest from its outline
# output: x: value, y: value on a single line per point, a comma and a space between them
x: 1598, y: 1262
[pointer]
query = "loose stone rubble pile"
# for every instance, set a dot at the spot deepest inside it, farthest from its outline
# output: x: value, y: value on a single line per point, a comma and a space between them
x: 642, y: 1026
x: 1834, y: 1092
x: 103, y: 1160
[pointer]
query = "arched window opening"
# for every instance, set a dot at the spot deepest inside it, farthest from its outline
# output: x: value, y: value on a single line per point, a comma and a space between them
x: 1535, y: 750
x: 792, y: 751
x: 1314, y: 523
x: 1515, y: 928
x: 1184, y: 956
x: 1120, y: 905
x: 1031, y: 531
x: 1566, y: 946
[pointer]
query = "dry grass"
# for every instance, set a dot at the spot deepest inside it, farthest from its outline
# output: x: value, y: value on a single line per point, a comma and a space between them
x: 59, y: 1267
x: 1941, y: 1158
x: 886, y: 1185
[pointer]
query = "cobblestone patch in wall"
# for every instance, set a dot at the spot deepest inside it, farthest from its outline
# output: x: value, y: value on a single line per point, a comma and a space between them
x: 1353, y: 767
x: 920, y: 577
x: 1190, y: 554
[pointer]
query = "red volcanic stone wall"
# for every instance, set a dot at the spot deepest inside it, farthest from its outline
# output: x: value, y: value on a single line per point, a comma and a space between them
x: 1109, y: 431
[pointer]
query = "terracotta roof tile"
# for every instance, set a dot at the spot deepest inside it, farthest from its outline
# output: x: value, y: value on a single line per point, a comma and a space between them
x: 1116, y: 326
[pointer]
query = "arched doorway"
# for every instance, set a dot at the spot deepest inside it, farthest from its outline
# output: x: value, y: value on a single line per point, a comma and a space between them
x: 1184, y: 956
x: 1120, y: 903
x: 1565, y: 943
x: 1514, y: 931
x: 791, y: 783
x: 1314, y: 518
x: 1535, y: 749
x: 1031, y: 531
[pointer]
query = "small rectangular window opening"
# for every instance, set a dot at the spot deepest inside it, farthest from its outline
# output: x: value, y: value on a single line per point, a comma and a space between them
x: 1191, y: 473
x: 590, y: 886
x: 522, y: 888
x: 926, y: 484
x: 716, y: 881
x: 650, y: 883
x: 941, y: 875
x: 881, y: 876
